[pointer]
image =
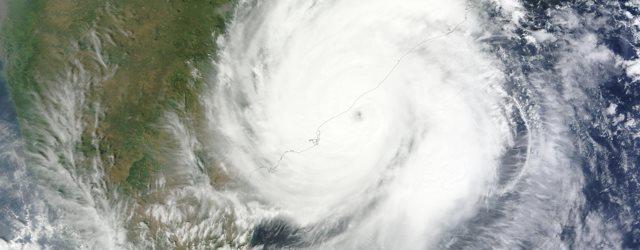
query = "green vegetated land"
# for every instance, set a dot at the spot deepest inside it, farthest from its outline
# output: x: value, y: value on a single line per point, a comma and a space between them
x: 152, y: 48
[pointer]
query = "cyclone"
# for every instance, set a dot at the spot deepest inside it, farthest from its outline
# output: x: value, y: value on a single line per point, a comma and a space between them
x: 320, y: 124
x: 391, y: 116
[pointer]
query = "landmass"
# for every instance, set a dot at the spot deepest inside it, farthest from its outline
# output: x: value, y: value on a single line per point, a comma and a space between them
x: 132, y: 62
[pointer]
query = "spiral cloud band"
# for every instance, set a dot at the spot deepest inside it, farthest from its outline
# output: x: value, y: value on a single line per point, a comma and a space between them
x: 350, y: 124
x: 388, y: 114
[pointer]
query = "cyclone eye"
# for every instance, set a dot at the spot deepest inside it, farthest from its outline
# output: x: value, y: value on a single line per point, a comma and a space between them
x: 357, y: 116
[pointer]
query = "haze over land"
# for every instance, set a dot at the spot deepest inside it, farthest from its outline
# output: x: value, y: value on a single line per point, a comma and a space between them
x: 347, y: 124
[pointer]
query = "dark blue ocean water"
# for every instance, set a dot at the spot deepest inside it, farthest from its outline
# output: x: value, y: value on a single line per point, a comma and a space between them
x: 608, y: 145
x: 609, y: 151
